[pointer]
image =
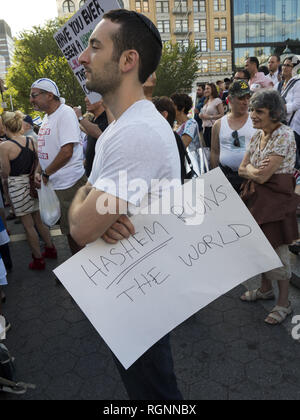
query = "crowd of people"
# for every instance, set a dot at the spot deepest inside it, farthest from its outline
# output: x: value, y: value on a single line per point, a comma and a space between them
x: 249, y: 126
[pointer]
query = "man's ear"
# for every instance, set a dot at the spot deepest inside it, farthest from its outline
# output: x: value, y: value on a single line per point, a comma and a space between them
x: 129, y: 60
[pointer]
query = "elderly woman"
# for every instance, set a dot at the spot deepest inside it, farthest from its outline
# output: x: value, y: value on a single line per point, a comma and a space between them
x: 269, y: 193
x: 17, y: 156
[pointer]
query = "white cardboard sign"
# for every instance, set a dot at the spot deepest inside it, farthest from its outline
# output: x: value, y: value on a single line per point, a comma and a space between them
x: 73, y: 37
x: 137, y: 291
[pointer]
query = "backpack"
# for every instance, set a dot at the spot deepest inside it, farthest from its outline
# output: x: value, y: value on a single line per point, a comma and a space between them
x: 7, y: 374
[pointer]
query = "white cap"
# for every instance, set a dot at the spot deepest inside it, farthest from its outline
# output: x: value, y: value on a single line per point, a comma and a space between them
x: 49, y: 86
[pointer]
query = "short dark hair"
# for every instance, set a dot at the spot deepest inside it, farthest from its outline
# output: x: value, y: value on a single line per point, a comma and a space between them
x: 277, y: 56
x: 182, y: 101
x: 254, y: 60
x: 246, y: 73
x: 137, y: 32
x: 264, y: 69
x: 165, y: 104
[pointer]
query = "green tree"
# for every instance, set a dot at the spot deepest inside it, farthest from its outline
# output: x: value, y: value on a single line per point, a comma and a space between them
x: 177, y: 70
x: 37, y: 55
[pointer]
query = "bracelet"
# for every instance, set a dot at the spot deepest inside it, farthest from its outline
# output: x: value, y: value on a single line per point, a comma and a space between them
x: 45, y: 175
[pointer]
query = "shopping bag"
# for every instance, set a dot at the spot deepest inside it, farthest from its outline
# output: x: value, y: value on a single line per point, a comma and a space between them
x: 49, y: 205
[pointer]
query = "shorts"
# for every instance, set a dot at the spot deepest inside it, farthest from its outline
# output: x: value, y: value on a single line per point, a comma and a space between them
x: 65, y: 198
x: 283, y: 273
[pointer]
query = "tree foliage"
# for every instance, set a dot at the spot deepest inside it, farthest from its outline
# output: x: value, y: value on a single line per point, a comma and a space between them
x: 37, y: 55
x: 177, y: 70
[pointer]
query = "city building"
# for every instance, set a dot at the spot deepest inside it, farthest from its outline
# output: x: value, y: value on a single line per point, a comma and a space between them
x: 206, y: 23
x: 6, y: 48
x: 258, y: 27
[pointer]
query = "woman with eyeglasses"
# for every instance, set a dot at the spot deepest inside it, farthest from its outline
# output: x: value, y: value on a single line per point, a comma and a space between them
x: 269, y: 194
x: 289, y: 89
x: 17, y: 158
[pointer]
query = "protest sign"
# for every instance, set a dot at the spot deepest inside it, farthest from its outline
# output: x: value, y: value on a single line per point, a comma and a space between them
x: 73, y: 37
x: 137, y: 291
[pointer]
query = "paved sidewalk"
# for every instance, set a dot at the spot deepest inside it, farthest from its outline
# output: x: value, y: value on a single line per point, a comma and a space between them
x: 225, y: 352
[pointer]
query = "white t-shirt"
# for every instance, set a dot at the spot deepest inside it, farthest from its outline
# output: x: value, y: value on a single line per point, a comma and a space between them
x: 140, y: 145
x: 231, y: 155
x: 57, y: 130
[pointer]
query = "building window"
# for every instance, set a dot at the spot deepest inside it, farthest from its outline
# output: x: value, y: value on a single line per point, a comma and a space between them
x: 217, y: 24
x: 181, y: 6
x: 222, y: 5
x: 223, y: 24
x: 217, y: 44
x: 81, y: 3
x: 201, y: 44
x: 138, y: 6
x: 68, y: 6
x: 146, y: 6
x: 199, y: 6
x: 203, y: 66
x: 216, y: 5
x: 163, y: 26
x: 224, y: 65
x: 182, y: 25
x: 200, y: 25
x: 183, y: 44
x: 162, y: 7
x: 224, y: 44
x: 218, y: 65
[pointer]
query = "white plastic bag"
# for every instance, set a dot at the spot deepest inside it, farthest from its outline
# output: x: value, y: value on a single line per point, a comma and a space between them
x: 49, y: 205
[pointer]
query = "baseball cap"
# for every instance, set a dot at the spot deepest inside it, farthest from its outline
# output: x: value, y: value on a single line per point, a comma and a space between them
x: 239, y: 88
x: 49, y: 86
x: 28, y: 120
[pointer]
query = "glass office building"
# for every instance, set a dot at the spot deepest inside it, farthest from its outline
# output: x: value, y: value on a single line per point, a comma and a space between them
x: 262, y: 25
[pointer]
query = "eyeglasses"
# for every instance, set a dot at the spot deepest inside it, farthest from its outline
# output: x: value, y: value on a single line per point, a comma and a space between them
x: 35, y: 95
x: 287, y: 65
x: 236, y: 142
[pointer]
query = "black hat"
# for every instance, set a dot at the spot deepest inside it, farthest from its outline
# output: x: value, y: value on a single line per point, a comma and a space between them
x: 239, y: 88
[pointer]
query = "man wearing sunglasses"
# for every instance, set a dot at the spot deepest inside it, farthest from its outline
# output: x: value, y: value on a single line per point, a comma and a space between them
x: 232, y: 133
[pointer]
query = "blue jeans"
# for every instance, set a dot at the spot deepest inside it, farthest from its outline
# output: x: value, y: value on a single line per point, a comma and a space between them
x: 152, y: 376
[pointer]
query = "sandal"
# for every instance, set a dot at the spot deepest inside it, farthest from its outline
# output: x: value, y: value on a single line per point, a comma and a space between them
x: 254, y: 295
x: 279, y: 314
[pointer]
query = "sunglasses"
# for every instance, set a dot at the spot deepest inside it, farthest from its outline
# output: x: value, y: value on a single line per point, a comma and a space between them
x: 236, y: 141
x: 35, y: 95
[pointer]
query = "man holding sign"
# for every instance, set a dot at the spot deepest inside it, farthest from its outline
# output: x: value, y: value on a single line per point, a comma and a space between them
x: 117, y: 63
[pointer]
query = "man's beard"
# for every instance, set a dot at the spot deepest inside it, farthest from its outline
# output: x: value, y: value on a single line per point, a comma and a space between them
x: 107, y: 82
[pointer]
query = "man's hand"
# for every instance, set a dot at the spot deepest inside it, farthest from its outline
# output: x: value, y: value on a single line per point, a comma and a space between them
x: 78, y: 111
x: 120, y: 230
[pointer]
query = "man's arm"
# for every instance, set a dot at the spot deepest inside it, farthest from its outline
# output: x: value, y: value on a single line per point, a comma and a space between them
x: 63, y: 157
x: 93, y: 213
x: 215, y: 145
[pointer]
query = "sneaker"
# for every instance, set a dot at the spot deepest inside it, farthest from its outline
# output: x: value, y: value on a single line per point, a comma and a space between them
x: 37, y: 264
x: 50, y: 253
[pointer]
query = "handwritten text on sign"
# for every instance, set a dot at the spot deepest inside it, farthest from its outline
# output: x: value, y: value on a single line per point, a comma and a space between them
x: 137, y: 291
x: 73, y: 37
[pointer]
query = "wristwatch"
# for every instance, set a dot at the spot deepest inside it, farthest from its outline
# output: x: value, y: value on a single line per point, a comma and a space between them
x: 80, y: 118
x: 45, y: 175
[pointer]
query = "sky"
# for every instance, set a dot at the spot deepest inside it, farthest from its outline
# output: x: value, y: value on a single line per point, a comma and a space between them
x: 23, y: 14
